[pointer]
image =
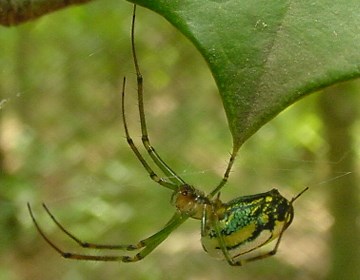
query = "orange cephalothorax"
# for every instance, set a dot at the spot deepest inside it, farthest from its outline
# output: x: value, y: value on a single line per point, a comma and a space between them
x: 190, y: 201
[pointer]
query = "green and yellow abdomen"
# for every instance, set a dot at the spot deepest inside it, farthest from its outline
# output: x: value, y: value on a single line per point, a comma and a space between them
x: 246, y: 223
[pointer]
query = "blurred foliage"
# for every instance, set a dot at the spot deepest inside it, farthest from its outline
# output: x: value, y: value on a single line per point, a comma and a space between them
x: 339, y: 111
x: 62, y: 143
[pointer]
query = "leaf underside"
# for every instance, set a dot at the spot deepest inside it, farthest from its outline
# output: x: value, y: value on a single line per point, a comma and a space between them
x: 265, y: 55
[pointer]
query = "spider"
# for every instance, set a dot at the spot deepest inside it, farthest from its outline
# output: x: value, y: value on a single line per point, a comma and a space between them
x: 232, y: 231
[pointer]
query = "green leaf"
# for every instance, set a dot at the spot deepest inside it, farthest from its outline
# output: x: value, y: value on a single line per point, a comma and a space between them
x: 265, y: 55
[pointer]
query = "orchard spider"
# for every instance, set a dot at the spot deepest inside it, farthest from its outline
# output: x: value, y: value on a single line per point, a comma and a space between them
x: 229, y: 230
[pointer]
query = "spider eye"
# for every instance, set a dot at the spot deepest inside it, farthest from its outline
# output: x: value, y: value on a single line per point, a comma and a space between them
x: 185, y: 192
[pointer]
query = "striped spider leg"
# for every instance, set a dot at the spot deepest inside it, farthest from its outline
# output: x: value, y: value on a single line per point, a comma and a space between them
x: 149, y: 244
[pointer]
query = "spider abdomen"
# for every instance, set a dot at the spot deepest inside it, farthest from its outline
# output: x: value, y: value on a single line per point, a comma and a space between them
x: 247, y: 223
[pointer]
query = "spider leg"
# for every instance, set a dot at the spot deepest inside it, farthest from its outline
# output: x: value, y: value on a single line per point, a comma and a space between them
x: 257, y: 257
x: 151, y: 172
x: 145, y: 138
x: 262, y: 255
x: 147, y: 245
x: 226, y: 175
x: 87, y: 244
x: 215, y: 221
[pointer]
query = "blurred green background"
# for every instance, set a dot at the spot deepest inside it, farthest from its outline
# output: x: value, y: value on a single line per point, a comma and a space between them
x: 62, y: 142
